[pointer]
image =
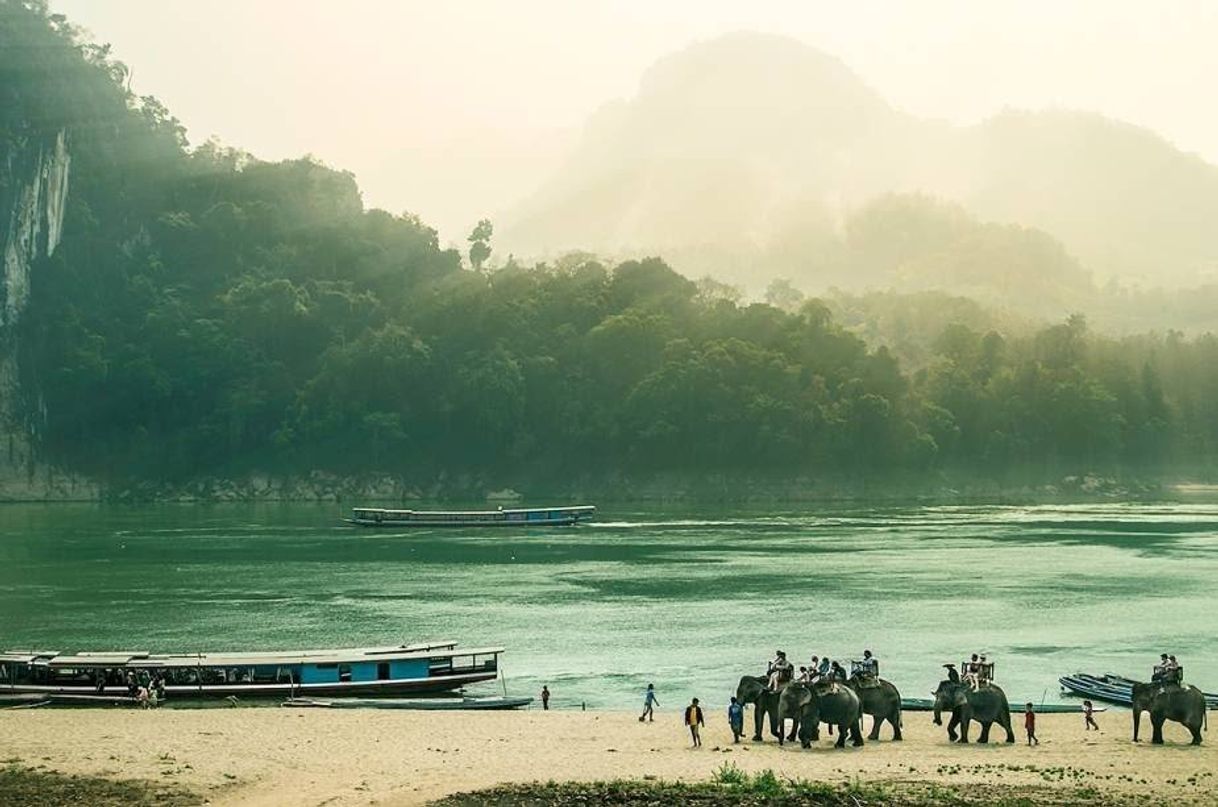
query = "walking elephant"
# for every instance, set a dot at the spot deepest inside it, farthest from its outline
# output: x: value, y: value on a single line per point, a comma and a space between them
x: 882, y: 701
x: 987, y: 705
x: 810, y: 705
x: 1183, y: 704
x: 755, y: 689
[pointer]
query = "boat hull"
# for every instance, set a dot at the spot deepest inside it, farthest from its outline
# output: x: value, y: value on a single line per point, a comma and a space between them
x: 530, y: 517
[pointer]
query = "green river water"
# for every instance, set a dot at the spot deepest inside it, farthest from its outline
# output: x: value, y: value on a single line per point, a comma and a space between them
x: 689, y: 599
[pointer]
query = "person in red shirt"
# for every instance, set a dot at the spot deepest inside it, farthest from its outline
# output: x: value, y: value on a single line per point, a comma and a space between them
x: 1029, y: 724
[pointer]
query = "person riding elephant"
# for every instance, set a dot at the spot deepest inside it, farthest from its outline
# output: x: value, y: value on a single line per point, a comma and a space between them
x: 882, y: 701
x: 755, y: 689
x: 987, y: 706
x: 1182, y: 703
x: 810, y: 705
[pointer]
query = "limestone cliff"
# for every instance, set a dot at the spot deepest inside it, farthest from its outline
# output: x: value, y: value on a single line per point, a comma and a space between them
x: 34, y: 172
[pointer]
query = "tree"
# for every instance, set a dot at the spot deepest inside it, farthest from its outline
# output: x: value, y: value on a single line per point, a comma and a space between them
x: 480, y: 244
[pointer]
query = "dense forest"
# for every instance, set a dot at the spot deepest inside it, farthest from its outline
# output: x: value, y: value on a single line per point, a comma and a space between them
x: 208, y: 313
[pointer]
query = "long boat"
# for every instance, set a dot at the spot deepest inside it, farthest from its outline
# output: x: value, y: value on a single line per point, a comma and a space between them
x: 1111, y: 688
x: 370, y: 671
x: 500, y: 517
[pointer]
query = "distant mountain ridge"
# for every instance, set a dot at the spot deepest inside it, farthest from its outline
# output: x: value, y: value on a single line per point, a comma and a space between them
x: 746, y: 155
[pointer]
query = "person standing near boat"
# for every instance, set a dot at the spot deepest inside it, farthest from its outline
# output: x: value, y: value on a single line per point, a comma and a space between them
x: 693, y: 719
x: 1089, y: 716
x: 545, y: 698
x: 1029, y: 724
x: 649, y: 703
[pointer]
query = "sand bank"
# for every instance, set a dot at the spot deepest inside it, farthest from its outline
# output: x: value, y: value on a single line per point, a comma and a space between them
x: 272, y: 756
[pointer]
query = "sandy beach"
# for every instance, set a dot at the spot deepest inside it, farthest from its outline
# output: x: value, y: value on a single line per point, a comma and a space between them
x: 272, y: 756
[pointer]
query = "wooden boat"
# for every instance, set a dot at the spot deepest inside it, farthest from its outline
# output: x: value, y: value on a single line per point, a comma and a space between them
x: 500, y: 517
x: 401, y: 670
x: 1110, y: 688
x: 432, y: 704
x: 928, y: 705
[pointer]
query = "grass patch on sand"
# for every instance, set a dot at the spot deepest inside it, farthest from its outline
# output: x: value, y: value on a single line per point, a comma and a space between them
x: 28, y: 786
x: 732, y: 786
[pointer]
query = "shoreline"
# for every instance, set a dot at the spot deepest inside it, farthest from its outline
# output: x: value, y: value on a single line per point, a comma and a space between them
x: 253, y: 757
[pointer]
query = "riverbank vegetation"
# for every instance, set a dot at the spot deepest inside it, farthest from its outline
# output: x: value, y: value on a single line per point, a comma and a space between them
x: 211, y: 314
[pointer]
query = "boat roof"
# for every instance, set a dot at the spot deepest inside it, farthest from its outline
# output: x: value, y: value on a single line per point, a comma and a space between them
x: 243, y: 659
x: 560, y: 508
x: 27, y: 656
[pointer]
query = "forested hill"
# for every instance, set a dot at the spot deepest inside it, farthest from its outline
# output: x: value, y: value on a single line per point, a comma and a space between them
x: 206, y: 314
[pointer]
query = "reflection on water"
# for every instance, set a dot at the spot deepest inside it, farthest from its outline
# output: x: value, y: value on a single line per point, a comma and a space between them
x: 688, y: 599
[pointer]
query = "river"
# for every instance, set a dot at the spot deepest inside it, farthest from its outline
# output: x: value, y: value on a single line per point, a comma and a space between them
x: 687, y: 598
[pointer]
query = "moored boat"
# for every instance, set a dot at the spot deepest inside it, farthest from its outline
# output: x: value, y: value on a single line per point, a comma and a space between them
x: 372, y: 671
x: 500, y: 517
x: 1111, y: 688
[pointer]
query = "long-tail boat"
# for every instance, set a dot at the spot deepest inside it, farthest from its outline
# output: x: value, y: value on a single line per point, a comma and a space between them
x: 370, y: 671
x: 501, y: 517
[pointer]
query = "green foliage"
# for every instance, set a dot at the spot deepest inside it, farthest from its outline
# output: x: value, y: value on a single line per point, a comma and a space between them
x: 209, y: 313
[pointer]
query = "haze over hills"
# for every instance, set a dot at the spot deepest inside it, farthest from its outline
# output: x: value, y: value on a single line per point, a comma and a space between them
x: 748, y: 156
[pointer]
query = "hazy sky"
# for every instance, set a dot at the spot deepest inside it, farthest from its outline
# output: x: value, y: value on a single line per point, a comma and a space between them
x: 454, y: 109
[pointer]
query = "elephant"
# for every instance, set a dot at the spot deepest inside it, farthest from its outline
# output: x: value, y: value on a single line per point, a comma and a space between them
x: 755, y: 689
x: 987, y: 705
x: 882, y: 702
x: 1183, y: 704
x: 811, y: 705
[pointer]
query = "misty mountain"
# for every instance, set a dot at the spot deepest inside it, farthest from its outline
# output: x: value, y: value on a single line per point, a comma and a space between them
x: 748, y: 156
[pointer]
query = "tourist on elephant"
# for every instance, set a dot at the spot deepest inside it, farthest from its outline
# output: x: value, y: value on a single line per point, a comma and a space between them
x: 870, y: 665
x: 825, y: 665
x: 779, y: 671
x: 972, y: 670
x: 953, y: 674
x: 1160, y: 670
x: 804, y: 677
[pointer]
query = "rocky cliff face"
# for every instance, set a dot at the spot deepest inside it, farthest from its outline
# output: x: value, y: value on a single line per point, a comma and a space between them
x: 34, y: 174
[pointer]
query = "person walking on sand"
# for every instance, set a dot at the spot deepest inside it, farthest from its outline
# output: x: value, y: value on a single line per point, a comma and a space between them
x: 1089, y: 716
x: 693, y: 719
x: 735, y: 719
x: 649, y: 703
x: 545, y: 698
x: 1029, y: 724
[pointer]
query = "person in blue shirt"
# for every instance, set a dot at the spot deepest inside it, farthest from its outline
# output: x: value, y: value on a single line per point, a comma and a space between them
x: 649, y: 703
x: 735, y: 719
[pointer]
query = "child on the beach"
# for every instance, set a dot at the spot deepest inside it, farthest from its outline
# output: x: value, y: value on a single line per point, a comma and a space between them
x: 649, y: 703
x: 693, y: 719
x: 1029, y: 724
x: 1089, y: 716
x: 735, y: 719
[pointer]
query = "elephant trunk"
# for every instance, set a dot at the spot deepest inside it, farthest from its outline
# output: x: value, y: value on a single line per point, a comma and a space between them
x: 938, y: 714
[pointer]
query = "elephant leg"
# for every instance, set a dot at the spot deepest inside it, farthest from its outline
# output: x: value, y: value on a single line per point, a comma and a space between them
x: 856, y: 732
x: 984, y: 736
x: 896, y: 727
x: 842, y: 730
x: 1196, y: 730
x: 1137, y: 720
x: 875, y: 728
x: 1156, y: 725
x: 758, y: 718
x: 794, y: 729
x: 1006, y: 724
x: 964, y: 721
x: 951, y: 728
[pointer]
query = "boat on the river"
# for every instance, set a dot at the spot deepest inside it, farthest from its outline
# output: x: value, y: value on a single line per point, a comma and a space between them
x: 491, y: 703
x: 412, y: 669
x: 1111, y: 688
x: 499, y: 517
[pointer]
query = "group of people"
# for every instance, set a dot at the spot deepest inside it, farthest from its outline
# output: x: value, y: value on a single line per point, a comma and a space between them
x: 977, y: 671
x: 780, y: 670
x: 147, y: 690
x: 1167, y: 671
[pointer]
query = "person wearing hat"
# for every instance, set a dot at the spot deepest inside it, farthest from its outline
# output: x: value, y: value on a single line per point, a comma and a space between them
x: 952, y: 674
